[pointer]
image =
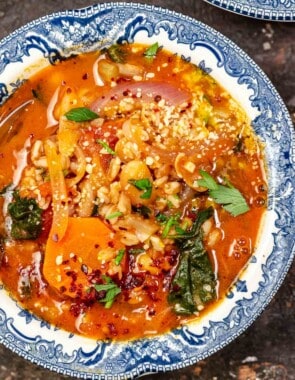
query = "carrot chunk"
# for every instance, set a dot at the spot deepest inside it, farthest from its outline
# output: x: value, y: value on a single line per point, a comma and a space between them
x: 70, y: 262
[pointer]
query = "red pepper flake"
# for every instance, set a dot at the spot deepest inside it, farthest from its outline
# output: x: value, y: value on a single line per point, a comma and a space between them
x: 112, y: 329
x: 157, y: 98
x: 85, y: 76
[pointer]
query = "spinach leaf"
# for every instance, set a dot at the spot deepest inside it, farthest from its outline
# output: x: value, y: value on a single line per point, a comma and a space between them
x: 26, y: 218
x: 194, y: 282
x: 116, y: 53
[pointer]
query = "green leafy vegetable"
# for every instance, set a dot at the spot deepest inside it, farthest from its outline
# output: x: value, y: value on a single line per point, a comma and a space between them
x: 26, y: 218
x: 81, y: 114
x: 119, y: 257
x: 106, y: 146
x: 116, y: 53
x: 136, y: 251
x: 151, y: 51
x: 169, y: 222
x: 229, y: 197
x: 143, y: 184
x: 142, y: 210
x: 111, y: 289
x: 194, y: 282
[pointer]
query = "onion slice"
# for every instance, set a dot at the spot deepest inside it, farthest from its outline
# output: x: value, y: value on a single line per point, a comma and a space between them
x: 146, y: 91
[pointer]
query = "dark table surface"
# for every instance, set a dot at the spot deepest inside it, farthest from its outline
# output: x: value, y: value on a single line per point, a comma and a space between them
x: 267, y: 349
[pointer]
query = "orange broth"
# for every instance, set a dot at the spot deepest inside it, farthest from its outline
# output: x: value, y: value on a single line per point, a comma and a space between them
x: 153, y: 136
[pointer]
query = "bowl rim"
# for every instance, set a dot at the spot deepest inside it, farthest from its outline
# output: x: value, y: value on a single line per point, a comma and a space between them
x: 256, y: 10
x: 86, y: 12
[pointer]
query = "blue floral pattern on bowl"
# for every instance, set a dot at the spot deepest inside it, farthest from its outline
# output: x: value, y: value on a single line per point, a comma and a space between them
x: 56, y: 37
x: 274, y: 10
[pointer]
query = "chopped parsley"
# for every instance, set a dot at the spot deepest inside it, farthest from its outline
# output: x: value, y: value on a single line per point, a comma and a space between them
x: 106, y: 147
x: 143, y: 184
x: 114, y: 215
x: 151, y: 51
x: 228, y: 196
x: 111, y: 291
x: 119, y: 257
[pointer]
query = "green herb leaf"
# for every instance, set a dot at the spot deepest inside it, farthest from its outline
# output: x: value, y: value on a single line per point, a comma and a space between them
x: 194, y: 282
x: 136, y: 251
x: 152, y: 50
x: 207, y: 181
x: 81, y: 114
x: 26, y: 218
x: 114, y: 215
x: 142, y: 210
x: 143, y: 184
x: 119, y: 257
x: 172, y: 221
x: 116, y: 53
x: 106, y: 146
x: 229, y: 197
x: 111, y: 289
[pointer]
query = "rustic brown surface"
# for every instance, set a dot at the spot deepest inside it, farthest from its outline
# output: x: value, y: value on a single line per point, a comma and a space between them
x: 267, y: 349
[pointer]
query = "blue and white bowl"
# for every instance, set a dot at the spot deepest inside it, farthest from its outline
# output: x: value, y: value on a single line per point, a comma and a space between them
x: 271, y: 10
x: 44, y: 41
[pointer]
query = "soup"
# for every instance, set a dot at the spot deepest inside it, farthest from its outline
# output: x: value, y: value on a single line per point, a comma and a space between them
x: 133, y: 190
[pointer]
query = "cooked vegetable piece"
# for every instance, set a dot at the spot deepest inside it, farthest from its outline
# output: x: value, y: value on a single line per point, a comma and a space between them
x: 81, y: 114
x: 58, y: 188
x: 194, y: 283
x: 229, y: 197
x: 116, y: 53
x: 26, y: 218
x: 84, y: 239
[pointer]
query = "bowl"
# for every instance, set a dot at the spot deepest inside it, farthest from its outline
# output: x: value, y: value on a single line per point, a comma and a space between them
x: 260, y: 9
x: 60, y: 35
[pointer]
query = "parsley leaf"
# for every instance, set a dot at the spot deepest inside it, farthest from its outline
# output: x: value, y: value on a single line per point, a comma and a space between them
x: 114, y: 215
x: 119, y: 257
x: 151, y: 51
x: 229, y: 197
x: 80, y: 114
x: 105, y: 145
x: 111, y: 289
x: 143, y: 184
